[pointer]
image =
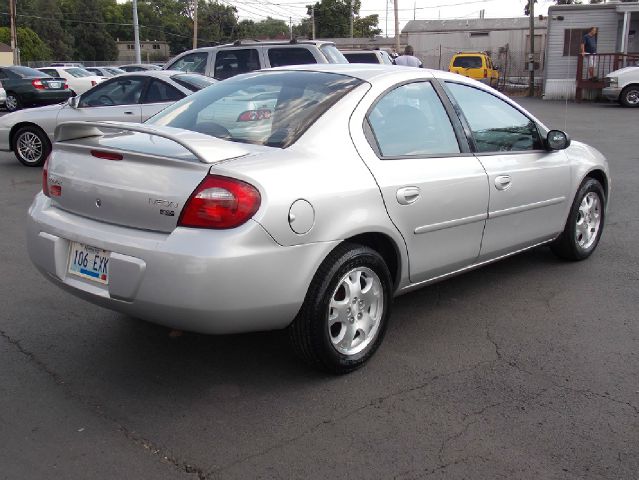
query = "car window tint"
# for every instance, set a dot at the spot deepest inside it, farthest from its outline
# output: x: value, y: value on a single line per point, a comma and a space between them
x: 361, y: 57
x: 159, y: 92
x: 496, y: 126
x: 411, y: 120
x: 229, y: 63
x: 192, y: 81
x: 193, y: 62
x: 467, y: 62
x: 274, y: 108
x: 119, y: 91
x: 50, y: 71
x: 25, y: 72
x: 279, y: 57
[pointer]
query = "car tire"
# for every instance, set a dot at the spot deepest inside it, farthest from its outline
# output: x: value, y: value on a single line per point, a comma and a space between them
x: 585, y: 223
x: 12, y: 103
x: 345, y: 312
x: 31, y: 146
x: 630, y: 96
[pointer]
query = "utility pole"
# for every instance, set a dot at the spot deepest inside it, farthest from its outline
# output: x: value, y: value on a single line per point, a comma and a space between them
x: 396, y: 8
x: 290, y: 26
x: 194, y: 23
x: 350, y: 20
x: 136, y: 32
x: 313, y: 21
x: 386, y: 29
x: 14, y: 35
x: 531, y: 54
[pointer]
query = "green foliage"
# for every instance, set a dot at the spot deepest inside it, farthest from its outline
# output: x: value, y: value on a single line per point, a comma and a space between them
x: 270, y: 28
x: 84, y: 19
x: 30, y: 44
x: 366, y: 26
x: 332, y: 17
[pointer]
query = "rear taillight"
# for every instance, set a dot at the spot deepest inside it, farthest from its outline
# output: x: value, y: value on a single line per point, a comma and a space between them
x: 66, y: 85
x: 485, y: 73
x: 107, y: 155
x: 37, y: 84
x: 93, y: 83
x: 45, y: 178
x: 220, y: 202
x: 254, y: 115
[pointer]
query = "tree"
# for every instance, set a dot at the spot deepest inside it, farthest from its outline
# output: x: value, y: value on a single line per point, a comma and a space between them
x: 44, y: 17
x: 85, y: 20
x: 30, y: 44
x: 332, y: 19
x: 270, y: 28
x: 366, y: 26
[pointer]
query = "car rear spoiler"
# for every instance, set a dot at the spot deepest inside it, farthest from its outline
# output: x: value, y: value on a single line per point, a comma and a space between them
x: 205, y: 148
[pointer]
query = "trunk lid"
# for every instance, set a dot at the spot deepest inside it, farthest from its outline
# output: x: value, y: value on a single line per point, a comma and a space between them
x: 148, y: 187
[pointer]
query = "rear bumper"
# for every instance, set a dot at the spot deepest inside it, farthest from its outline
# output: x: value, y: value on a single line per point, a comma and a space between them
x: 206, y: 281
x: 611, y: 93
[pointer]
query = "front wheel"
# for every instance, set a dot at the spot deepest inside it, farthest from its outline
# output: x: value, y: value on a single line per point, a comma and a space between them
x: 31, y: 146
x: 585, y: 223
x: 630, y: 96
x: 345, y: 313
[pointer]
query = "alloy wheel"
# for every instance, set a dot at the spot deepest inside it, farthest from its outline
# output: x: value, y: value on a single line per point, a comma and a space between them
x: 30, y: 147
x: 588, y: 220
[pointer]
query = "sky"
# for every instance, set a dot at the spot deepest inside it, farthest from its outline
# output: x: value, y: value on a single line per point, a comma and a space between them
x: 408, y: 9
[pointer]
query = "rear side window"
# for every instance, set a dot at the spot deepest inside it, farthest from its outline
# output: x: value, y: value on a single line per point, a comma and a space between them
x: 229, y: 63
x: 274, y: 108
x: 193, y: 62
x: 361, y: 57
x: 280, y: 57
x: 159, y: 92
x: 467, y: 62
x: 411, y: 121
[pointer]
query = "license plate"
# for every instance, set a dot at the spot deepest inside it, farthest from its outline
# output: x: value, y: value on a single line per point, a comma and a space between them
x: 89, y: 262
x: 55, y: 84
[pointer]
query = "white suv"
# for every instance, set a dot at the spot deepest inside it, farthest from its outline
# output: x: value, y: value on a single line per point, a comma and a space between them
x: 226, y: 61
x: 623, y: 86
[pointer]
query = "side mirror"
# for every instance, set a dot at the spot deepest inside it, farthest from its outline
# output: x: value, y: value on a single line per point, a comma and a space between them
x: 557, y: 140
x: 74, y: 101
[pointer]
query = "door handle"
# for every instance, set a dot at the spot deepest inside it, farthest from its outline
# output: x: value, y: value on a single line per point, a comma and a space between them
x: 503, y: 182
x: 408, y: 195
x: 128, y: 113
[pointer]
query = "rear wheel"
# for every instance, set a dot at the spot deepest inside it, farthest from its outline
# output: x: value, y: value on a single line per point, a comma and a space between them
x: 12, y: 103
x: 344, y: 316
x: 585, y: 223
x: 31, y: 146
x: 630, y: 96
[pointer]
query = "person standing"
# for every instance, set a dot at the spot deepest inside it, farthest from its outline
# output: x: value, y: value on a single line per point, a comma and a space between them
x: 408, y: 59
x: 588, y: 49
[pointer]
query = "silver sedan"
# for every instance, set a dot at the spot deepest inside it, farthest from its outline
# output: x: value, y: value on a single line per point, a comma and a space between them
x: 131, y: 97
x: 356, y: 184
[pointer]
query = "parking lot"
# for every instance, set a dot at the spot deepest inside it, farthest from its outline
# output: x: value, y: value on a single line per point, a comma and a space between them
x: 527, y: 368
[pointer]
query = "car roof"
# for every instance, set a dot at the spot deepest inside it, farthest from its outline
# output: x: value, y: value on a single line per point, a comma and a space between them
x: 363, y: 71
x: 257, y: 43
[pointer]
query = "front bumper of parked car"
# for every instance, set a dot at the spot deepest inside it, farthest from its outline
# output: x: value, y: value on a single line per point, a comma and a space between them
x: 208, y: 281
x: 611, y: 93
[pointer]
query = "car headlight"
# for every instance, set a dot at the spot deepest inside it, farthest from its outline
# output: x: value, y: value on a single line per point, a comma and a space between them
x: 612, y: 81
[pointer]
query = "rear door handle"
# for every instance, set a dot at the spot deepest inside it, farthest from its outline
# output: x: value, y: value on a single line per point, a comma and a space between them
x: 408, y: 195
x: 128, y: 113
x: 502, y: 182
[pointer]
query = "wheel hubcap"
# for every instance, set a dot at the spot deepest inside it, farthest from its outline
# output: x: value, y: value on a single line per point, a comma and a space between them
x: 632, y: 97
x: 11, y: 102
x: 30, y: 147
x: 355, y: 311
x: 588, y: 220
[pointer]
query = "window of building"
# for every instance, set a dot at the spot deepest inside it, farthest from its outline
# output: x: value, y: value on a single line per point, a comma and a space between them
x: 572, y: 41
x: 130, y: 46
x: 156, y: 46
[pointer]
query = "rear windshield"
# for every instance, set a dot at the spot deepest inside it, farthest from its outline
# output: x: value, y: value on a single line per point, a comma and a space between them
x: 362, y: 57
x: 467, y: 62
x: 26, y: 72
x: 79, y: 72
x: 266, y: 108
x: 193, y: 82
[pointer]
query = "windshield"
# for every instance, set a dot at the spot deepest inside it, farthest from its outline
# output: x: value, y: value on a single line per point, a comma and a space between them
x: 266, y: 108
x: 332, y: 54
x: 192, y: 81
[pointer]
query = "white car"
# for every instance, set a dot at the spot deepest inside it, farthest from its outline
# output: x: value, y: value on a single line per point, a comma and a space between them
x: 130, y: 97
x: 623, y: 86
x: 78, y: 79
x: 3, y: 95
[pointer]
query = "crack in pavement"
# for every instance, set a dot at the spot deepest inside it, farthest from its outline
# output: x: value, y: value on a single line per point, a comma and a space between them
x: 96, y: 408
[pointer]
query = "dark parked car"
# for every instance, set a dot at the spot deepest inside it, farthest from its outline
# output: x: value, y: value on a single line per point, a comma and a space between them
x: 27, y: 87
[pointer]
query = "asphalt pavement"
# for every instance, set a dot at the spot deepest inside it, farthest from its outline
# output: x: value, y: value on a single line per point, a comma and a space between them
x: 525, y: 369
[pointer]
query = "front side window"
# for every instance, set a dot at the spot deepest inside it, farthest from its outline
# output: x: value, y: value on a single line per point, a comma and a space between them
x: 280, y: 57
x: 273, y: 109
x: 496, y: 126
x: 229, y: 63
x: 411, y: 121
x: 193, y: 62
x: 119, y: 91
x: 467, y: 62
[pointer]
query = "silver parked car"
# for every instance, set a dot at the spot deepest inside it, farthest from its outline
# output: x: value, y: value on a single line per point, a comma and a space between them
x: 371, y: 181
x: 131, y: 97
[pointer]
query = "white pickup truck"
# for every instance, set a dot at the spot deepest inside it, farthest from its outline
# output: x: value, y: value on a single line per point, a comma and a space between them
x: 623, y: 86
